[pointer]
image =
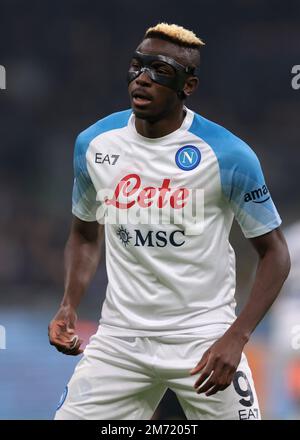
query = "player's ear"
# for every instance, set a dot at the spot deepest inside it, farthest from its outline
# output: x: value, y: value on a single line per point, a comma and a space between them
x: 191, y: 85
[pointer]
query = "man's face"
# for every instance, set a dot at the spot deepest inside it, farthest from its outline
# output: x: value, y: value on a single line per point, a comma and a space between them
x: 150, y: 100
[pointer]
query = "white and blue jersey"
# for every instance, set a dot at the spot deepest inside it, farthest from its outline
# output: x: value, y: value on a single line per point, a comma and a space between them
x: 162, y: 278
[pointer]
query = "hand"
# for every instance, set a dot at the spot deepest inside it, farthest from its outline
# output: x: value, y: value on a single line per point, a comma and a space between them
x: 61, y: 332
x: 218, y: 364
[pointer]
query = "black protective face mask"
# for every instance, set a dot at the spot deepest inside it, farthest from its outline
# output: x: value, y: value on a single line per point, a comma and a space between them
x: 175, y: 82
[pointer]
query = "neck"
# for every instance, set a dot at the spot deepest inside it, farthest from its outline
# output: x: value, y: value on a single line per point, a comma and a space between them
x: 161, y: 127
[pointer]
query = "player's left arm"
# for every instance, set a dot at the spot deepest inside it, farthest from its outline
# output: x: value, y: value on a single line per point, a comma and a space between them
x: 220, y: 361
x: 247, y: 194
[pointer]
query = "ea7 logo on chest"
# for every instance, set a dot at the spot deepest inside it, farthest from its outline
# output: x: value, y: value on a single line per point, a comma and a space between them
x: 259, y: 195
x: 110, y: 159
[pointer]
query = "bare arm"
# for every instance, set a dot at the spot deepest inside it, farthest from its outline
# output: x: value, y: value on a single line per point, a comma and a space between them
x: 272, y: 270
x: 82, y: 255
x: 223, y: 357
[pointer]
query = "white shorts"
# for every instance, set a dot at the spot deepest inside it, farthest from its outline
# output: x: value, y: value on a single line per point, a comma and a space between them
x: 125, y: 379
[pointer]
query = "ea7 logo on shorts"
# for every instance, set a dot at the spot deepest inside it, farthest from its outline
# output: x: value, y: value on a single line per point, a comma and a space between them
x: 248, y: 414
x: 188, y: 157
x: 259, y: 195
x: 110, y: 159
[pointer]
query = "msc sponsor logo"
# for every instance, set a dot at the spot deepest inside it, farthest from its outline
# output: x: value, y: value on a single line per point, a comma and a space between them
x: 110, y: 159
x: 124, y: 236
x: 151, y: 238
x: 188, y: 157
x: 259, y: 195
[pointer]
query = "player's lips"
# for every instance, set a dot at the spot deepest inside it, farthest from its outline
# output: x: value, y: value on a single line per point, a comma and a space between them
x: 140, y: 97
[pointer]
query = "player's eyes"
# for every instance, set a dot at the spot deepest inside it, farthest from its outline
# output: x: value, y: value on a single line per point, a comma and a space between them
x: 135, y: 65
x: 162, y: 69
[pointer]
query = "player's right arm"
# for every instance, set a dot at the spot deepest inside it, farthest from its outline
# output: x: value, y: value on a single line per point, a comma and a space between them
x: 82, y: 255
x: 82, y: 251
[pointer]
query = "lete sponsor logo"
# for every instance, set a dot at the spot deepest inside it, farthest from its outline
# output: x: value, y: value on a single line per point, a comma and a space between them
x: 134, y: 194
x: 132, y: 202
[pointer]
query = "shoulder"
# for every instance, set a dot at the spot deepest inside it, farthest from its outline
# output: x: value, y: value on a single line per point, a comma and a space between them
x: 111, y: 122
x: 229, y: 149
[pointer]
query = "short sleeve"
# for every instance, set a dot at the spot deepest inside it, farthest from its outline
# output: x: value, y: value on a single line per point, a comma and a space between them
x: 84, y: 205
x: 248, y: 195
x: 242, y: 181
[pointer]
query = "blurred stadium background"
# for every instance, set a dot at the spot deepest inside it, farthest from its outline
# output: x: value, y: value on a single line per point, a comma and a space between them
x: 66, y: 64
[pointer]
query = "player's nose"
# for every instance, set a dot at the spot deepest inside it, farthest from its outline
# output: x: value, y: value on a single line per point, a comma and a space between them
x: 144, y: 79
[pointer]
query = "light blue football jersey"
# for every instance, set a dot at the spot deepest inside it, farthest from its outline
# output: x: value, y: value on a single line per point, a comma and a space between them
x: 169, y: 273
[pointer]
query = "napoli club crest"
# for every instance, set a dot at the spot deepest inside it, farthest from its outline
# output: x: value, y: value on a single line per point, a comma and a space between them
x: 188, y: 157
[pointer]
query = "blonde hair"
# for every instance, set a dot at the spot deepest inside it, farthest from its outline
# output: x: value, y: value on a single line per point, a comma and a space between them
x: 176, y: 34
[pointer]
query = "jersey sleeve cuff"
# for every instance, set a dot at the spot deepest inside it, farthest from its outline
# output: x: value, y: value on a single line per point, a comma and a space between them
x: 262, y: 229
x: 84, y: 217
